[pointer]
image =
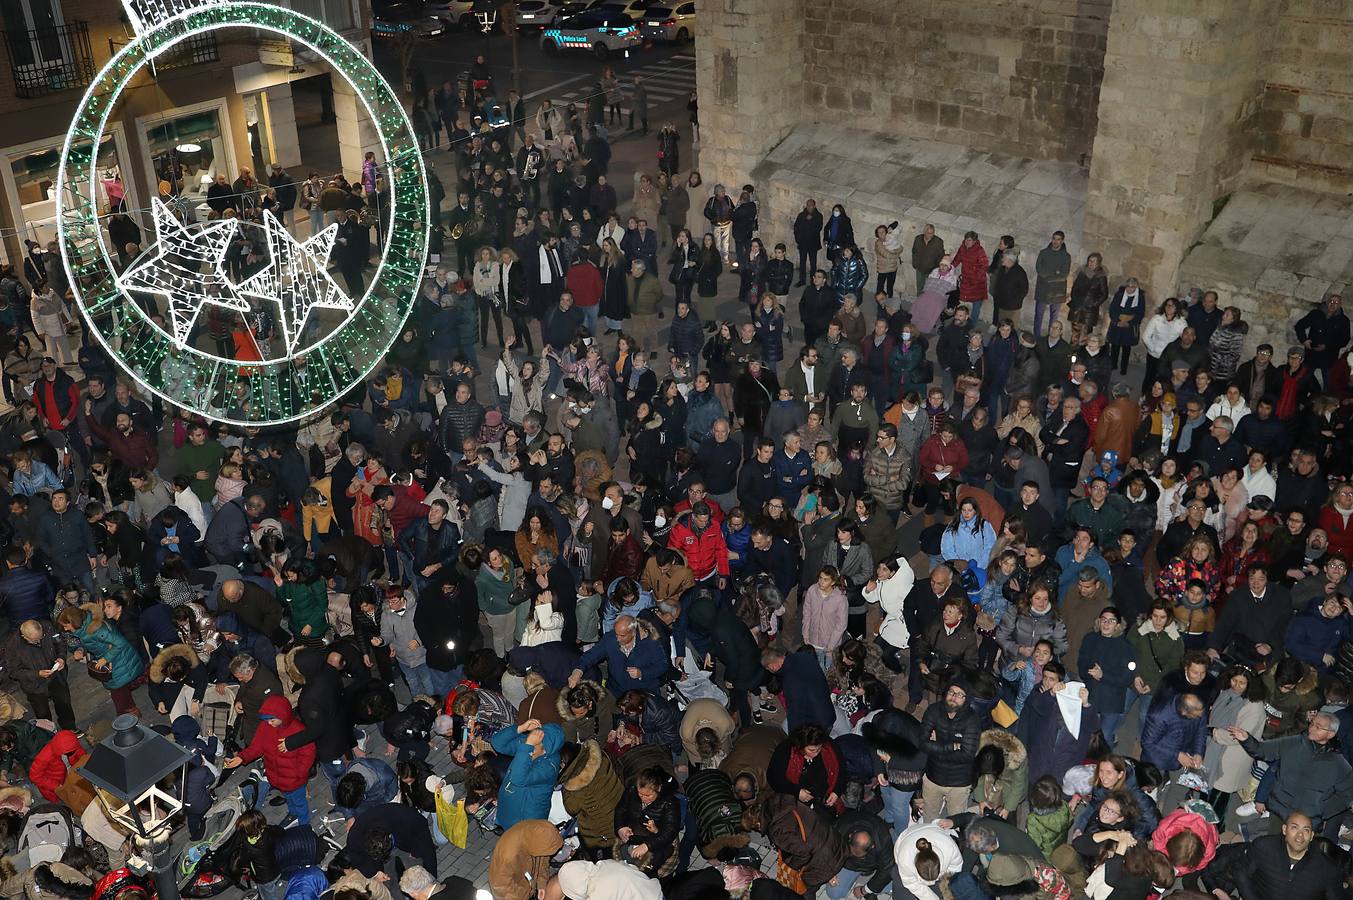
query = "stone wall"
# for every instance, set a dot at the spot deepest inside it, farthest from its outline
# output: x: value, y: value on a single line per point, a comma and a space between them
x: 1306, y: 120
x: 1015, y: 76
x: 1182, y: 83
x: 749, y: 74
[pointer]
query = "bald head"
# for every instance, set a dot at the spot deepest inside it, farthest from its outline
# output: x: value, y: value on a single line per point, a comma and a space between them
x: 31, y: 631
x: 232, y: 590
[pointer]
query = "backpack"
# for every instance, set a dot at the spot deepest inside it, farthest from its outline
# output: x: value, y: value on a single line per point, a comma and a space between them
x: 47, y: 832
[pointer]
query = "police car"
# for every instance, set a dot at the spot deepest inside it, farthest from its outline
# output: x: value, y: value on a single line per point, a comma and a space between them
x: 597, y: 32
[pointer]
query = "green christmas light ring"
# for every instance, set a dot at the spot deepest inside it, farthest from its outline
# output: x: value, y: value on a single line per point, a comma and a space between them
x: 280, y: 390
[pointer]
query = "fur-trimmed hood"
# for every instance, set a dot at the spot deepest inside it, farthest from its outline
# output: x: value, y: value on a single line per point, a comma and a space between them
x: 56, y: 879
x: 95, y: 613
x: 1309, y: 679
x: 584, y: 768
x: 1171, y: 629
x: 1015, y: 754
x: 653, y: 422
x: 562, y: 705
x: 164, y: 656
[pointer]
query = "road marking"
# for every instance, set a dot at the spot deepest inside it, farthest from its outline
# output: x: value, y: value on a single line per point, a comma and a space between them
x: 556, y: 86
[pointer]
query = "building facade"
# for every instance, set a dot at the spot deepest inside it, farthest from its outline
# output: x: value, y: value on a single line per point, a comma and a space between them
x: 216, y: 104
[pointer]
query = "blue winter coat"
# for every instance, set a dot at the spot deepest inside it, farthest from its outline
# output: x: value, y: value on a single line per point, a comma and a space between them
x: 26, y: 594
x: 770, y: 330
x: 529, y: 783
x: 792, y: 474
x: 738, y: 542
x: 968, y: 543
x: 382, y: 785
x: 807, y: 696
x: 648, y: 656
x: 849, y: 276
x: 101, y: 640
x: 1310, y: 636
x: 1166, y: 734
x: 701, y: 411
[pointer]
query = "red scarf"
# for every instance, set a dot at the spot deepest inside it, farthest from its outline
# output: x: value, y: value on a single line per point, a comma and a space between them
x: 830, y: 761
x: 1287, y: 397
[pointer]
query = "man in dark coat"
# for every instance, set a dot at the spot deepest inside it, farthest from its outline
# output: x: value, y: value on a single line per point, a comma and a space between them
x: 716, y: 630
x: 921, y: 608
x: 1324, y: 332
x: 257, y: 683
x: 808, y: 238
x: 1064, y: 443
x: 950, y: 733
x: 24, y: 593
x: 447, y: 622
x: 951, y: 349
x: 804, y: 687
x: 869, y: 851
x: 227, y: 540
x: 1285, y: 865
x: 394, y: 826
x: 324, y: 714
x: 1053, y: 749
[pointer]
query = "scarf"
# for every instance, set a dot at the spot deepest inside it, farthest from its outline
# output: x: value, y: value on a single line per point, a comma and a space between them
x: 1287, y: 397
x: 830, y: 762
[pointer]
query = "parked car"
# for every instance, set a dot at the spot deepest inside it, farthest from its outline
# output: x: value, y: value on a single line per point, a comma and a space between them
x: 672, y: 24
x: 390, y: 20
x: 538, y: 13
x: 635, y: 9
x: 455, y: 13
x: 595, y: 31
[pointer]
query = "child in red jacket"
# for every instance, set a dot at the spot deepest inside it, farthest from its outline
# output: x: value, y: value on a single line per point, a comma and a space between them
x: 48, y: 771
x: 286, y: 770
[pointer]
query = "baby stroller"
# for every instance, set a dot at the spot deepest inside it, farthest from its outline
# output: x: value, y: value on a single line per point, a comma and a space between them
x: 203, y: 870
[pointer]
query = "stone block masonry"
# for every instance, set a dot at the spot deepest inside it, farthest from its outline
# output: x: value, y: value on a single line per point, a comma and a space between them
x: 1012, y: 76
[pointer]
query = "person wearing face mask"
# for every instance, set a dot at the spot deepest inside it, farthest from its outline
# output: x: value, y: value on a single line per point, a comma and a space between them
x: 837, y: 233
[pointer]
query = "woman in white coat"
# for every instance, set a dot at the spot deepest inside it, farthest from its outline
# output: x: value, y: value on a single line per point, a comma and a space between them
x: 916, y: 853
x: 889, y: 588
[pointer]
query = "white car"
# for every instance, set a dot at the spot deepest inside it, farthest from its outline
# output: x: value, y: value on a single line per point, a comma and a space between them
x: 538, y: 13
x: 455, y: 13
x: 671, y: 24
x: 635, y: 9
x: 594, y: 31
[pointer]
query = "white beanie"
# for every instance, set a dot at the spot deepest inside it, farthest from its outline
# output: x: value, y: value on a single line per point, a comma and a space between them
x: 575, y: 877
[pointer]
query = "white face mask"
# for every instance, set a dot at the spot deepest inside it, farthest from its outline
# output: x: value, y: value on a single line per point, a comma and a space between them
x: 607, y: 503
x: 659, y: 521
x: 836, y: 214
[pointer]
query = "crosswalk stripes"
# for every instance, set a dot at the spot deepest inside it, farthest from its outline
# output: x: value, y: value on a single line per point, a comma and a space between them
x: 665, y: 81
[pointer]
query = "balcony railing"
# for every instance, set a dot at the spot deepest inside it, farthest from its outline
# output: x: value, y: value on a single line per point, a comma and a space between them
x: 49, y: 60
x: 200, y: 48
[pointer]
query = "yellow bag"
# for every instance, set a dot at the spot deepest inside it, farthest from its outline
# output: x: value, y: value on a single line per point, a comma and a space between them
x: 1003, y: 715
x: 452, y: 820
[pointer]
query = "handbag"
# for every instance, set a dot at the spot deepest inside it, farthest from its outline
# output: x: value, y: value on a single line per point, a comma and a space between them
x: 787, y: 875
x: 103, y: 676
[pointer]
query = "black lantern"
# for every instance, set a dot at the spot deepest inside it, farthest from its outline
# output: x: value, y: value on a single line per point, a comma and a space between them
x: 128, y: 766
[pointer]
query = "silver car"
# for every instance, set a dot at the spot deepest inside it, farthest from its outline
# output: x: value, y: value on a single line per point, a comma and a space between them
x: 537, y: 13
x: 669, y: 24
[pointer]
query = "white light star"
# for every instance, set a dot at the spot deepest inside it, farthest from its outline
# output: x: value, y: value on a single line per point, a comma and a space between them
x: 186, y: 269
x: 297, y: 278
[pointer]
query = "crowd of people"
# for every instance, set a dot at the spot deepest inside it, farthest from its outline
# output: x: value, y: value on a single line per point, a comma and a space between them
x: 938, y: 608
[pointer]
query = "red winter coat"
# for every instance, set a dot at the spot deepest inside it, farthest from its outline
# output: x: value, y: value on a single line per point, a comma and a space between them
x: 1341, y: 535
x: 704, y: 553
x: 972, y: 281
x: 935, y: 453
x: 49, y: 767
x: 285, y: 771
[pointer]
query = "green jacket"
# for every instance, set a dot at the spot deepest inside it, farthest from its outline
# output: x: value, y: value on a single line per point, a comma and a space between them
x: 1158, y: 652
x: 1049, y: 830
x: 645, y: 294
x: 191, y: 459
x: 306, y: 603
x: 29, y: 739
x: 495, y: 592
x: 100, y: 640
x: 1106, y: 522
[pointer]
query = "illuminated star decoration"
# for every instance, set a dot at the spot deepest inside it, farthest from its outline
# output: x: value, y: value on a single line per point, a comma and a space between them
x: 185, y: 269
x: 297, y: 278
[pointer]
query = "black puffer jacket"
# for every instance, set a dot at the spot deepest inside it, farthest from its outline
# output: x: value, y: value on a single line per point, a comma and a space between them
x: 448, y: 621
x: 321, y: 708
x: 952, y: 751
x: 664, y: 813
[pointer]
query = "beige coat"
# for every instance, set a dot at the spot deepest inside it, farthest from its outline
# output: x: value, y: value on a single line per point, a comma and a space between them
x: 706, y: 713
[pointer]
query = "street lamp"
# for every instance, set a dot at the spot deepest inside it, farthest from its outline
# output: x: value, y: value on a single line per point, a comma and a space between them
x: 128, y: 767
